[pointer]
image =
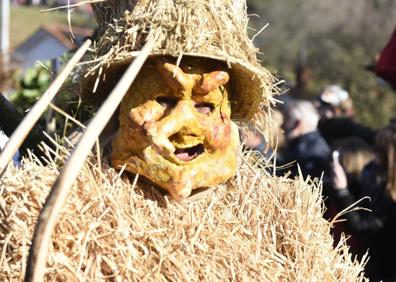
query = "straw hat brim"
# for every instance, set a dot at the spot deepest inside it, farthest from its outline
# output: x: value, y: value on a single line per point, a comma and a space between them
x: 247, y: 83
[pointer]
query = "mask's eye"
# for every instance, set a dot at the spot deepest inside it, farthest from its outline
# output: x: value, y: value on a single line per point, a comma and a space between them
x: 167, y: 102
x: 204, y: 108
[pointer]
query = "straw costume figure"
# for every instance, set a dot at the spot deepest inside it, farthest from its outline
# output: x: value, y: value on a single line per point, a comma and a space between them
x: 175, y: 121
x: 177, y: 128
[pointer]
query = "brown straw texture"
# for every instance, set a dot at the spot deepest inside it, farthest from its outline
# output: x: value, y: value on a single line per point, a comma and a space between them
x: 254, y: 228
x: 207, y: 28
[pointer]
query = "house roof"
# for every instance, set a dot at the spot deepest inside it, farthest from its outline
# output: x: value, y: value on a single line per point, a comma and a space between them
x: 29, y: 51
x: 70, y: 38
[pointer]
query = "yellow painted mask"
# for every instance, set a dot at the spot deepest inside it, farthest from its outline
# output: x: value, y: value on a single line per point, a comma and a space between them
x: 175, y: 127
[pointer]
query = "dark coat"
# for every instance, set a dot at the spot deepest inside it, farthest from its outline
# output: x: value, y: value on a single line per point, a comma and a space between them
x: 343, y: 127
x: 377, y: 228
x: 311, y: 153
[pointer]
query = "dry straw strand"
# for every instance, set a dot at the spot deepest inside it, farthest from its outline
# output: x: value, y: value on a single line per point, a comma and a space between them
x: 256, y: 228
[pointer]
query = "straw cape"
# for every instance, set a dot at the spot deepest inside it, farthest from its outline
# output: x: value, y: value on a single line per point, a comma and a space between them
x: 207, y: 28
x: 254, y: 228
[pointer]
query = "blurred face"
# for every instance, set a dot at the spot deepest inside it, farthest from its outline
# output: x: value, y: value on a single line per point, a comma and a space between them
x: 175, y: 126
x: 290, y: 127
x: 325, y: 111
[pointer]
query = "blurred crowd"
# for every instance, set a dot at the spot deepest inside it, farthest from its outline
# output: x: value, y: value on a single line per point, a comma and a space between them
x: 322, y: 140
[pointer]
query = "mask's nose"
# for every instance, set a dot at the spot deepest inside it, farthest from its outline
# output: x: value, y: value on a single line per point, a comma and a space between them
x: 181, y: 119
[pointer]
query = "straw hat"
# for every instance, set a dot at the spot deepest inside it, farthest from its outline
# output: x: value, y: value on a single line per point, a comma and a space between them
x: 214, y: 29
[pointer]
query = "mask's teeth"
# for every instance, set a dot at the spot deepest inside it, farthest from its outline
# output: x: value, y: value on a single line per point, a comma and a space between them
x: 188, y: 154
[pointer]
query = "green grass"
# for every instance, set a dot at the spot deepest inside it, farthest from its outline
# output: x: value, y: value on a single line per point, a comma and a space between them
x: 26, y: 20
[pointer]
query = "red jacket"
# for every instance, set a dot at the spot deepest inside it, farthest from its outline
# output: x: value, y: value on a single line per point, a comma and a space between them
x: 386, y: 66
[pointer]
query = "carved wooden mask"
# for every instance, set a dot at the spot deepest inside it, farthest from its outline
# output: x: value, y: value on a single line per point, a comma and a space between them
x: 175, y: 127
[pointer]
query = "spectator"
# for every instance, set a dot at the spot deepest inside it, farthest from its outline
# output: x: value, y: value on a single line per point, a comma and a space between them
x: 305, y: 145
x: 378, y: 227
x: 354, y: 154
x: 336, y: 116
x: 252, y: 139
x: 303, y: 80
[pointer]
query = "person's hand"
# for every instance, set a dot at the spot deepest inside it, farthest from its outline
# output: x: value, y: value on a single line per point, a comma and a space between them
x: 339, y: 178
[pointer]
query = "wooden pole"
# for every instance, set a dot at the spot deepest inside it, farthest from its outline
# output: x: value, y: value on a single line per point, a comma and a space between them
x: 5, y: 35
x: 47, y: 219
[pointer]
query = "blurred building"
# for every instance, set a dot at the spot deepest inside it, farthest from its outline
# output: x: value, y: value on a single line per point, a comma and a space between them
x: 48, y: 42
x: 43, y: 2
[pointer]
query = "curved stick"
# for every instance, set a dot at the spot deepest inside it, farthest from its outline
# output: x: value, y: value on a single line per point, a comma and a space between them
x: 34, y: 114
x: 53, y: 205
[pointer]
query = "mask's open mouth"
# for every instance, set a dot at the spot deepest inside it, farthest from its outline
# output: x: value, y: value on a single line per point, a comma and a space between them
x: 188, y: 154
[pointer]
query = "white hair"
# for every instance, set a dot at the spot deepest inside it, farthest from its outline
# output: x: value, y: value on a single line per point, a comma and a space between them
x: 303, y: 111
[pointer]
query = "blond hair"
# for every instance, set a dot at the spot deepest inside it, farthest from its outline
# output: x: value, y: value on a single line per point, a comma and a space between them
x: 355, y: 154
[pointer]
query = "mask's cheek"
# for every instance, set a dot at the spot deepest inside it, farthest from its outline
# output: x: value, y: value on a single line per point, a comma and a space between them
x: 217, y: 131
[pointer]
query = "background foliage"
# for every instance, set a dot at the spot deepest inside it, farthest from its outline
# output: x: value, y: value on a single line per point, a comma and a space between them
x: 337, y: 40
x: 30, y: 86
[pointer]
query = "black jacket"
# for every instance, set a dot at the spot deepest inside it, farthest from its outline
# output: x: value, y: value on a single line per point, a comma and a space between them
x: 344, y: 127
x: 376, y: 228
x: 311, y: 152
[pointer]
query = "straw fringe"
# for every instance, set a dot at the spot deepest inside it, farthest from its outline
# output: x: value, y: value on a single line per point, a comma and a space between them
x: 255, y: 227
x: 222, y: 28
x: 211, y: 28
